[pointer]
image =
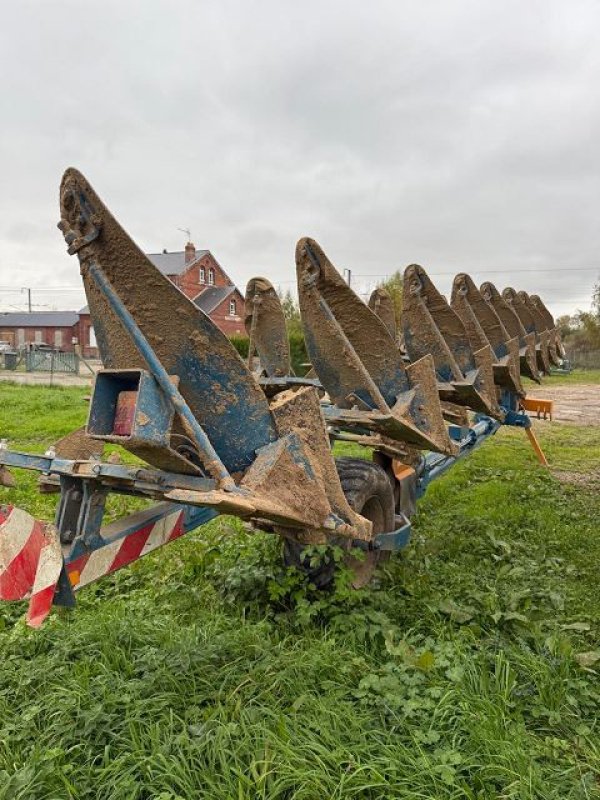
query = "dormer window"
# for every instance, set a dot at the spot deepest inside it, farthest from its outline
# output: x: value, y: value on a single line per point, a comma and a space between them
x: 211, y: 276
x: 202, y: 275
x: 232, y: 308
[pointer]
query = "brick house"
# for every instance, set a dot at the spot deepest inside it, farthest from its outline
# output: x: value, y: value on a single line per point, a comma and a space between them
x: 200, y: 276
x: 225, y: 306
x: 196, y: 272
x: 55, y: 328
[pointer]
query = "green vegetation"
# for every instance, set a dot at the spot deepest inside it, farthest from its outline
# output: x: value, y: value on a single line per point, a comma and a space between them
x: 469, y: 670
x: 394, y: 286
x: 298, y: 354
x: 587, y: 376
x: 583, y: 329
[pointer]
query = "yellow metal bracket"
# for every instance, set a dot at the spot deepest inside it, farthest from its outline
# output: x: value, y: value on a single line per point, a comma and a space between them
x: 543, y: 408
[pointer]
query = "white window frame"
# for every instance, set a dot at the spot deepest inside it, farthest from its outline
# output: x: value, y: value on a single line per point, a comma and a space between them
x: 58, y: 338
x: 211, y: 276
x: 232, y: 308
x: 202, y: 275
x: 20, y: 336
x: 38, y: 337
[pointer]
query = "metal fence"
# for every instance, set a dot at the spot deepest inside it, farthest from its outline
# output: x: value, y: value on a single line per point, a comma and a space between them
x: 583, y: 358
x: 40, y: 361
x: 43, y: 361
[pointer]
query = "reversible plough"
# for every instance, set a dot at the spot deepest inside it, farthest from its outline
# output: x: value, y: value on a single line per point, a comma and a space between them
x: 214, y: 435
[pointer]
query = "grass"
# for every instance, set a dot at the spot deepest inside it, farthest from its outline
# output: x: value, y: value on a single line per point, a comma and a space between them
x: 574, y: 377
x: 205, y: 671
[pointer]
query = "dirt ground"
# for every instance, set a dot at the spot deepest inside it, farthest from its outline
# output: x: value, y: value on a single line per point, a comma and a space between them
x: 574, y: 404
x: 57, y: 379
x: 43, y: 379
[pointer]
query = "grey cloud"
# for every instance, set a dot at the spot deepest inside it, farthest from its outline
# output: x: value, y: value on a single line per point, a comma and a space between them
x: 461, y: 135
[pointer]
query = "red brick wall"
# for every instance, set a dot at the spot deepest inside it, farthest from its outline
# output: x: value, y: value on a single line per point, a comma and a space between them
x: 189, y: 282
x: 83, y: 334
x: 47, y: 337
x: 230, y: 325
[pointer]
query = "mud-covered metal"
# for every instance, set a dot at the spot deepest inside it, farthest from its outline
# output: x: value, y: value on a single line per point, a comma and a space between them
x: 357, y: 360
x: 516, y: 302
x: 431, y: 326
x: 212, y: 378
x: 382, y: 304
x: 266, y: 329
x: 550, y: 323
x: 542, y: 327
x: 483, y: 326
x: 514, y: 328
x: 220, y: 423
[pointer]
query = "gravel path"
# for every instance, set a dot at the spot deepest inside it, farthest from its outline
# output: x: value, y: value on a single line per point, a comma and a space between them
x: 576, y: 404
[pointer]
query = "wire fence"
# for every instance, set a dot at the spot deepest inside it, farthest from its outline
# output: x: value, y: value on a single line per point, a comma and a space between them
x: 40, y: 361
x: 583, y: 358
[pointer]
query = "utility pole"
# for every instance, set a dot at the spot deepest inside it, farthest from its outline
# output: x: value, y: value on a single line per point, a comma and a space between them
x: 25, y: 289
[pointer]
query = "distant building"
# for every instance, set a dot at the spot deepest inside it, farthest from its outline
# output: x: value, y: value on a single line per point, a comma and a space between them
x: 200, y: 276
x: 60, y: 329
x: 196, y: 272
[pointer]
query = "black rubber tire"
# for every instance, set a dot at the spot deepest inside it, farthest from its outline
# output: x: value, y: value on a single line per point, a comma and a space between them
x: 368, y: 491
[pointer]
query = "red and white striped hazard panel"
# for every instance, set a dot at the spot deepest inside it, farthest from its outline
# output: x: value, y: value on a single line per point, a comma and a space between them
x: 117, y: 554
x: 31, y: 557
x: 30, y: 561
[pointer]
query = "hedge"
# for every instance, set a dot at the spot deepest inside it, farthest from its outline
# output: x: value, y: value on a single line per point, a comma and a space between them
x: 298, y: 353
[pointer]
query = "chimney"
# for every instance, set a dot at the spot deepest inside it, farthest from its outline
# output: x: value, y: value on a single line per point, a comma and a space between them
x: 190, y: 253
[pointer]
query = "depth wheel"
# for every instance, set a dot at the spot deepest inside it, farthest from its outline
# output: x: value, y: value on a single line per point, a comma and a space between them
x: 369, y: 492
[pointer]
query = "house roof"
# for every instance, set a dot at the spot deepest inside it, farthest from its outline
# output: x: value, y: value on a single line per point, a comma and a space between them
x: 174, y: 263
x: 210, y: 298
x: 39, y: 319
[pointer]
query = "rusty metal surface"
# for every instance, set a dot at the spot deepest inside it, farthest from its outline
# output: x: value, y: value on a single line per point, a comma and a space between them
x: 266, y: 328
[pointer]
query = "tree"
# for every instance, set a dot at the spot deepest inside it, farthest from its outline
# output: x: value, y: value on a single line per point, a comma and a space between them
x: 394, y: 287
x: 583, y: 328
x: 565, y: 326
x: 291, y: 311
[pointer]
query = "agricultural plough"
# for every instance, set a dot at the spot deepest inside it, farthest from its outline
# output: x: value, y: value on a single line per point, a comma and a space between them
x: 214, y: 435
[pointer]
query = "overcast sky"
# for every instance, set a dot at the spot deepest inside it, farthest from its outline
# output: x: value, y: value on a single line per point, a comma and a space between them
x: 458, y: 135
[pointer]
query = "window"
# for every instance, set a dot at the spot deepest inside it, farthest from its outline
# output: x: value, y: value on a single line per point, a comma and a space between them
x: 202, y: 275
x: 232, y: 308
x: 211, y: 277
x: 92, y: 337
x: 38, y: 337
x: 58, y: 339
x: 21, y: 336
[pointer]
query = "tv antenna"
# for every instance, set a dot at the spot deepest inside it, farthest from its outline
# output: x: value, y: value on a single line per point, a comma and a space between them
x: 188, y: 231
